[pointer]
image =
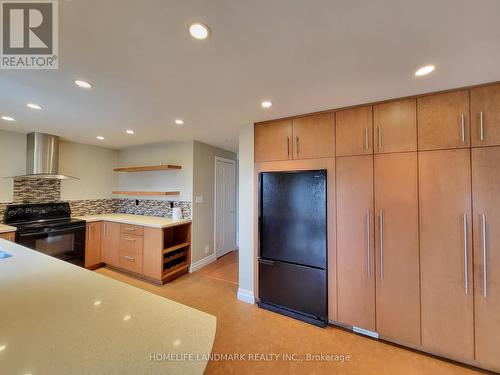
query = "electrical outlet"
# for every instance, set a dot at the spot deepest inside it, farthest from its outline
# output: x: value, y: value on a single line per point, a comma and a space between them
x: 207, y: 249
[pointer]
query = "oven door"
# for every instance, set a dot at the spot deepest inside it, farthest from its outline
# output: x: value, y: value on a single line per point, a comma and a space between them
x: 66, y: 244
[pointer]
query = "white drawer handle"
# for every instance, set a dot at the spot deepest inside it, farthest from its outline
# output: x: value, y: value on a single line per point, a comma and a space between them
x: 129, y: 257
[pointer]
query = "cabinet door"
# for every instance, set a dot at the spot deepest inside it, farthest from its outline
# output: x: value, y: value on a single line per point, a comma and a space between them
x: 110, y: 247
x: 314, y: 137
x: 485, y: 115
x: 355, y: 264
x: 485, y: 183
x: 353, y: 131
x: 446, y: 253
x: 93, y: 244
x: 395, y: 126
x: 396, y: 244
x: 9, y: 236
x: 273, y: 141
x: 443, y: 121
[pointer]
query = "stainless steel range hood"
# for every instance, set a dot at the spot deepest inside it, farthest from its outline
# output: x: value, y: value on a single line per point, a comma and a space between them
x: 42, y: 157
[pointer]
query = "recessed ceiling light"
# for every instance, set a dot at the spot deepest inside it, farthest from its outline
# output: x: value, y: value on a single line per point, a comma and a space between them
x: 179, y: 122
x: 424, y: 70
x: 33, y: 106
x: 84, y: 84
x: 8, y: 118
x: 3, y: 347
x: 130, y: 131
x: 127, y: 317
x: 101, y: 138
x: 97, y: 303
x: 199, y: 30
x: 266, y: 104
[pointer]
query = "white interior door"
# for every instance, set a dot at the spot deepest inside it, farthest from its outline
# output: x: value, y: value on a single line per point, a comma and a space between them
x: 225, y: 202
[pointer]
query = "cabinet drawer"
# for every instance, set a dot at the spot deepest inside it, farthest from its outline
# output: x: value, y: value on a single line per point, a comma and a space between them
x: 132, y: 229
x: 131, y: 252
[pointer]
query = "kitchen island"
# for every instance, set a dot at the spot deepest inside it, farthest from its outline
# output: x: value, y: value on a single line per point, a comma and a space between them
x: 57, y: 318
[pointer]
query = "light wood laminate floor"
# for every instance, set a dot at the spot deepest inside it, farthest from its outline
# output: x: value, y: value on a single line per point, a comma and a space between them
x: 245, y: 329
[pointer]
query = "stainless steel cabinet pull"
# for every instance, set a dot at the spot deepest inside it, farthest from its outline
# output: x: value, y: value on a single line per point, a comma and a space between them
x: 379, y: 136
x: 481, y: 126
x: 130, y: 239
x: 288, y: 147
x: 297, y: 144
x: 130, y: 229
x: 367, y: 145
x: 88, y: 233
x: 368, y: 250
x: 129, y: 257
x: 462, y: 127
x: 381, y: 244
x: 466, y: 256
x: 485, y: 264
x: 105, y: 230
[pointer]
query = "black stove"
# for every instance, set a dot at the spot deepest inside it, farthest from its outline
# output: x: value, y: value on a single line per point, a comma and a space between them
x: 49, y: 229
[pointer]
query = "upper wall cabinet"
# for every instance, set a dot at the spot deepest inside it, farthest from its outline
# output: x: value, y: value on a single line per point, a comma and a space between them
x: 273, y: 141
x: 485, y: 115
x: 395, y: 126
x: 354, y: 131
x: 314, y: 136
x: 443, y: 121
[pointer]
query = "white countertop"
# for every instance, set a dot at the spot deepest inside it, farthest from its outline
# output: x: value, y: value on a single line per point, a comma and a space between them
x: 7, y: 228
x: 146, y: 221
x: 57, y: 318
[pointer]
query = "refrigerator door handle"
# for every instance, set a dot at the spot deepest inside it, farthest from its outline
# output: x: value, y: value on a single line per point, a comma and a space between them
x: 265, y: 261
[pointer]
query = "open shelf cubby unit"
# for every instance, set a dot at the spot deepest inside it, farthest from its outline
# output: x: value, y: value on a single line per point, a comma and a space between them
x: 177, y: 251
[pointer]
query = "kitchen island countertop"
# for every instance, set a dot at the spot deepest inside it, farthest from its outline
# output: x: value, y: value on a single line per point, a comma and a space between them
x: 57, y: 318
x: 146, y: 221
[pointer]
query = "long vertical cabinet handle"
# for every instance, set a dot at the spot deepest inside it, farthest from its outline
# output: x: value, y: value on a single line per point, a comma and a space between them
x: 368, y: 246
x: 367, y: 145
x: 88, y: 232
x: 485, y: 261
x: 379, y: 136
x: 462, y: 127
x: 105, y: 230
x: 481, y: 126
x: 297, y: 145
x: 466, y: 256
x: 288, y: 147
x: 381, y: 243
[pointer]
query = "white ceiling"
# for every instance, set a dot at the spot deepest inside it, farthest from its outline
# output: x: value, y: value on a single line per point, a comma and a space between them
x: 303, y: 55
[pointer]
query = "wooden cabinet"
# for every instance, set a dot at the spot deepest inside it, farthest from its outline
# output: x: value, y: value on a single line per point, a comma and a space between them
x: 485, y: 115
x: 131, y: 247
x: 355, y: 258
x: 486, y: 219
x: 273, y: 141
x: 443, y: 121
x: 354, y: 131
x: 9, y: 236
x: 93, y: 244
x: 110, y: 246
x: 395, y: 126
x: 314, y: 136
x: 308, y: 137
x: 396, y: 245
x: 446, y: 253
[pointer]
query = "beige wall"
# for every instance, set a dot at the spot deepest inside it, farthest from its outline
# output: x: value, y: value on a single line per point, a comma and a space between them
x: 12, y: 161
x: 203, y: 186
x: 92, y: 165
x: 246, y: 214
x: 180, y: 153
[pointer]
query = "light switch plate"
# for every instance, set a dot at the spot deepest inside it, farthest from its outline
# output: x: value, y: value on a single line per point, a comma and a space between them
x: 199, y: 199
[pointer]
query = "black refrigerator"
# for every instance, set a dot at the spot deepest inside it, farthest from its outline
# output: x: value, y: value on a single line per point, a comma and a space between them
x: 293, y: 244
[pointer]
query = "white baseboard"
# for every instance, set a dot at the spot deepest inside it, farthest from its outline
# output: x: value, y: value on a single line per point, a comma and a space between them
x: 246, y: 296
x: 202, y: 263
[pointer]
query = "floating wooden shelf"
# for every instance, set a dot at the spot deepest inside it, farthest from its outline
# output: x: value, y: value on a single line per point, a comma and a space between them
x: 176, y: 247
x: 146, y: 192
x: 161, y: 167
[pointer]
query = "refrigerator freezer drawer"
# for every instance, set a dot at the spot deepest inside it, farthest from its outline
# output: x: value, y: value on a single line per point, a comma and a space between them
x: 293, y: 287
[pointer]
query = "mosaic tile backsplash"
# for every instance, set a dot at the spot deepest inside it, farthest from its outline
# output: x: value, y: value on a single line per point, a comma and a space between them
x: 42, y: 190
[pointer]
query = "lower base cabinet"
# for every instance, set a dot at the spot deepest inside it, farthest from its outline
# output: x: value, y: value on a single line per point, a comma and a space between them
x: 9, y: 236
x: 446, y: 253
x: 110, y: 248
x: 93, y: 244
